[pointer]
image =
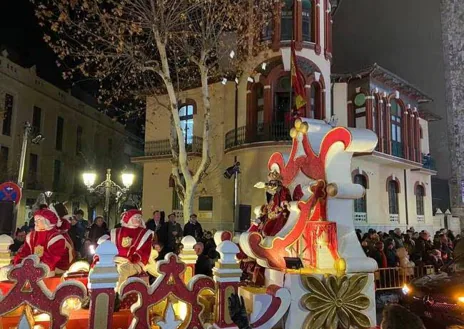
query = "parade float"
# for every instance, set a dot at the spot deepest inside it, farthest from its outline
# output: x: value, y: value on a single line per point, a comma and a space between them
x: 307, y: 220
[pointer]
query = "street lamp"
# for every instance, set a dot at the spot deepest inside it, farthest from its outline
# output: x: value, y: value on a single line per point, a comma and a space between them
x: 107, y: 188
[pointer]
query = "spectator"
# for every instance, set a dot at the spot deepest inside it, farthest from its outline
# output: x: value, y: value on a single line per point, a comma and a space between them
x: 19, y: 240
x: 379, y: 255
x: 436, y: 259
x: 397, y: 238
x: 87, y: 251
x: 25, y: 227
x: 396, y: 317
x: 209, y: 243
x: 446, y: 251
x: 409, y: 244
x: 98, y: 229
x: 193, y: 228
x: 159, y: 247
x: 203, y: 264
x: 173, y: 232
x: 390, y: 253
x: 74, y: 234
x: 156, y: 224
x: 371, y: 239
x: 82, y: 223
x: 422, y: 248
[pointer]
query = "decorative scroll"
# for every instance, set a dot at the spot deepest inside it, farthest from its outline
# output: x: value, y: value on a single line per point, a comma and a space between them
x: 168, y: 283
x: 30, y: 289
x: 336, y: 302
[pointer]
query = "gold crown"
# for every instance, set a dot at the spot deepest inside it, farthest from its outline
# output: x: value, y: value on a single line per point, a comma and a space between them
x: 274, y: 175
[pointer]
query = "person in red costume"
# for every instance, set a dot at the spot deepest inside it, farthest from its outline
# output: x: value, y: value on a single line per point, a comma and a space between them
x: 274, y: 214
x: 134, y: 243
x: 46, y: 241
x: 63, y: 225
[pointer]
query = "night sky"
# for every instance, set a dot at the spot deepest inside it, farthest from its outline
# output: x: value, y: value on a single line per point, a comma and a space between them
x: 21, y: 34
x: 23, y: 37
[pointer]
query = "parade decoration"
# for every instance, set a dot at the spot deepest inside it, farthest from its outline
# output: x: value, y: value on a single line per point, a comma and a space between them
x: 336, y: 302
x: 307, y: 230
x: 30, y: 289
x: 169, y: 284
x: 10, y: 191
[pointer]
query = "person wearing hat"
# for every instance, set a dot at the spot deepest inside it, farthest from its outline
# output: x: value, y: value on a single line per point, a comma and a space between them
x: 45, y: 241
x: 134, y: 243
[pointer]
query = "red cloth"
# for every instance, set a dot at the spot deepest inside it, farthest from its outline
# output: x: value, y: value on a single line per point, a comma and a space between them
x: 384, y: 259
x: 277, y: 212
x: 297, y: 81
x: 65, y: 262
x: 133, y: 244
x: 49, y: 245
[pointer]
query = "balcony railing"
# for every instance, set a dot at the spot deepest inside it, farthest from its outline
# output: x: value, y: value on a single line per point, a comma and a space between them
x: 277, y: 131
x: 428, y: 162
x: 394, y: 218
x: 360, y: 217
x: 163, y: 147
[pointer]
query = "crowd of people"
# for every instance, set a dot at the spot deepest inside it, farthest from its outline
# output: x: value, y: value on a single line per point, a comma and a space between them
x: 419, y: 247
x: 168, y: 235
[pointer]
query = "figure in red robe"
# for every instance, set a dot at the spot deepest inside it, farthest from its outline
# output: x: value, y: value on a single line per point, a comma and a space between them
x: 273, y: 215
x: 46, y: 241
x: 134, y: 243
x: 63, y: 225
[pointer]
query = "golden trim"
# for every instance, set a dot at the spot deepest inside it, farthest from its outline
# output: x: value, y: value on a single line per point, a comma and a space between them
x: 227, y: 266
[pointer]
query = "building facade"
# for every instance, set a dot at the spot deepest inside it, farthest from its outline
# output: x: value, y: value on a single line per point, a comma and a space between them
x: 252, y: 119
x: 413, y: 48
x: 76, y: 138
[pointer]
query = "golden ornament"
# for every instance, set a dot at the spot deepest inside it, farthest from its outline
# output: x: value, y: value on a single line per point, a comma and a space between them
x: 39, y: 251
x: 336, y: 302
x: 126, y: 242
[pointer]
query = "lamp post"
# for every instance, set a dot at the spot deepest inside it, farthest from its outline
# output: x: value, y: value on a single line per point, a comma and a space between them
x: 108, y: 188
x: 36, y: 138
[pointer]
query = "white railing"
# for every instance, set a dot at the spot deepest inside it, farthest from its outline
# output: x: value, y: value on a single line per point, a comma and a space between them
x: 360, y: 217
x: 394, y: 218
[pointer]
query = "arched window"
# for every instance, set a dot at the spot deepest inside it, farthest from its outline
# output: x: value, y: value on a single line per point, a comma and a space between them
x: 186, y: 122
x: 393, y: 190
x: 360, y: 110
x: 396, y: 125
x: 360, y: 205
x: 420, y: 193
x: 287, y: 21
x: 282, y: 101
x: 307, y: 20
x: 259, y: 106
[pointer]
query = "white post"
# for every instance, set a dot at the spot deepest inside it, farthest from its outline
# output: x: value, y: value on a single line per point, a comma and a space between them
x: 189, y: 257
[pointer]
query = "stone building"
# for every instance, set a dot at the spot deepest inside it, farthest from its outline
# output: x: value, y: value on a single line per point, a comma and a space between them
x: 77, y: 138
x: 251, y: 120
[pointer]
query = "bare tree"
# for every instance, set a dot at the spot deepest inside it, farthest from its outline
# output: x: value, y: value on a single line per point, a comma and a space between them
x: 157, y: 48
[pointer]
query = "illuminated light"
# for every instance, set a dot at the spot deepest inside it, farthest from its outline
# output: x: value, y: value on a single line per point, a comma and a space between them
x: 263, y: 66
x: 72, y: 304
x: 181, y: 310
x: 232, y: 54
x: 48, y: 194
x: 224, y: 81
x: 89, y: 179
x: 92, y: 250
x: 461, y: 300
x: 236, y: 80
x: 127, y: 180
x: 405, y: 289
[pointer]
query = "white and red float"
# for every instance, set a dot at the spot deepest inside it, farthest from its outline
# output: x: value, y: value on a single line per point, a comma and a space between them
x: 334, y: 289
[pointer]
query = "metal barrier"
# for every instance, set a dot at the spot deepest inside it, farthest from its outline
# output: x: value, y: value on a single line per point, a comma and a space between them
x: 391, y: 278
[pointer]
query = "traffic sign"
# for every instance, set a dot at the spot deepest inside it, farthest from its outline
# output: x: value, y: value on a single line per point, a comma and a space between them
x: 10, y: 191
